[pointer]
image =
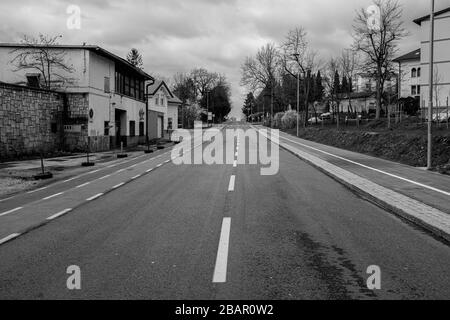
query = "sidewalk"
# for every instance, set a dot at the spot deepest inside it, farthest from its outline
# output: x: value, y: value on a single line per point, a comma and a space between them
x: 416, y: 194
x: 17, y: 176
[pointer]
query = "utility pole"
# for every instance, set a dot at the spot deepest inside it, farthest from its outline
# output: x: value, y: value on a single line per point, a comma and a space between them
x: 430, y: 102
x: 298, y: 102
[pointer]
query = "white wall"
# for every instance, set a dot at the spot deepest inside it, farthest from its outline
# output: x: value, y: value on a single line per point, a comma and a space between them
x: 441, y: 59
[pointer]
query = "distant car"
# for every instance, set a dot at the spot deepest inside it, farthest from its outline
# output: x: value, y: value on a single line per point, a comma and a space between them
x: 315, y: 120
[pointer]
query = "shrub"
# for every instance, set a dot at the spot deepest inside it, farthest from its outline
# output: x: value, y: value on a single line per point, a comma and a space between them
x: 289, y: 120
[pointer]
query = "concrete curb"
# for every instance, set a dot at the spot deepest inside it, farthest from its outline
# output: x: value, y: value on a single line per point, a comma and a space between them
x: 437, y: 232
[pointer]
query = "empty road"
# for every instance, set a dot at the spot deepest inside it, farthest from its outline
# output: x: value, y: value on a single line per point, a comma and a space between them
x: 218, y: 232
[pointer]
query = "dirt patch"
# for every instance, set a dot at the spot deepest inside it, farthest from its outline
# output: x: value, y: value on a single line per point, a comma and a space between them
x: 405, y: 144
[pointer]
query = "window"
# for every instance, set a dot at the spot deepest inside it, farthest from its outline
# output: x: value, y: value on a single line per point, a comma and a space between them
x: 413, y: 90
x: 106, y: 130
x: 170, y: 124
x: 157, y: 100
x: 132, y: 88
x: 413, y: 73
x: 141, y: 129
x: 127, y: 86
x: 132, y: 129
x: 418, y: 73
x: 54, y: 127
x: 162, y: 100
x: 107, y: 85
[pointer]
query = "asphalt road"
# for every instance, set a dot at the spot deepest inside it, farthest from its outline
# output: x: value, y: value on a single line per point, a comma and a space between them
x: 194, y: 232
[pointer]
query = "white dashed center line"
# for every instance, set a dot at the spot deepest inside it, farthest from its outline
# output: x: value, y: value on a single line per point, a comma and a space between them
x: 235, y: 163
x: 231, y: 185
x: 104, y: 177
x: 53, y: 196
x: 135, y: 177
x: 94, y: 197
x: 220, y: 270
x: 10, y: 211
x: 149, y: 170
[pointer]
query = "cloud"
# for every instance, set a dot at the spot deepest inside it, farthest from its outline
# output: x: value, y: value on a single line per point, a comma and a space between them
x: 179, y: 35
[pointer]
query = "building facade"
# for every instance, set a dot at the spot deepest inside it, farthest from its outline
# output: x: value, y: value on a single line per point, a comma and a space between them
x: 410, y: 71
x: 164, y: 106
x: 113, y: 89
x: 441, y: 65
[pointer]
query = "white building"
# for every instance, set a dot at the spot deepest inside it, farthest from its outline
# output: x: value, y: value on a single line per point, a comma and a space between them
x: 112, y: 88
x: 409, y: 70
x: 441, y: 90
x: 166, y: 106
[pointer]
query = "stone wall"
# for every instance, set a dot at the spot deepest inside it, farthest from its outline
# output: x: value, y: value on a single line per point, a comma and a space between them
x: 36, y: 120
x: 30, y: 121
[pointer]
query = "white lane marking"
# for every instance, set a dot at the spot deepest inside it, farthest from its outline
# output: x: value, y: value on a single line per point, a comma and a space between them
x: 53, y: 196
x: 135, y: 177
x: 9, y: 238
x: 149, y: 170
x: 220, y: 270
x: 370, y: 168
x: 37, y: 190
x: 167, y: 161
x: 59, y: 214
x: 236, y: 154
x: 91, y: 172
x: 6, y: 199
x: 231, y: 185
x: 71, y: 179
x: 113, y: 165
x: 10, y: 211
x: 121, y: 170
x: 118, y: 185
x: 235, y: 164
x: 82, y: 185
x: 104, y: 177
x: 159, y: 165
x: 94, y: 197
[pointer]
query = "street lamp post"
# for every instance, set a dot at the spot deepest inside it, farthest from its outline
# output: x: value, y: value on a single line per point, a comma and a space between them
x: 430, y: 102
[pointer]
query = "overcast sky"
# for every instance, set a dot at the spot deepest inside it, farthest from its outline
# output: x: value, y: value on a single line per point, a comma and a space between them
x: 178, y: 35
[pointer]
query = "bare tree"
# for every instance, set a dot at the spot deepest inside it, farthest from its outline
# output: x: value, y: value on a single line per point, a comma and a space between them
x: 299, y: 60
x: 332, y: 87
x: 261, y: 72
x: 349, y: 62
x: 203, y: 80
x: 44, y: 56
x: 378, y: 41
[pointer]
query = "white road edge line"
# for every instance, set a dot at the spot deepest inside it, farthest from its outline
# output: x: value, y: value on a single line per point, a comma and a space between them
x: 370, y: 168
x: 220, y: 270
x: 135, y: 177
x: 118, y: 185
x: 149, y: 170
x: 231, y: 185
x: 59, y: 214
x: 9, y: 238
x: 53, y: 196
x: 10, y: 211
x: 94, y: 197
x: 37, y: 190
